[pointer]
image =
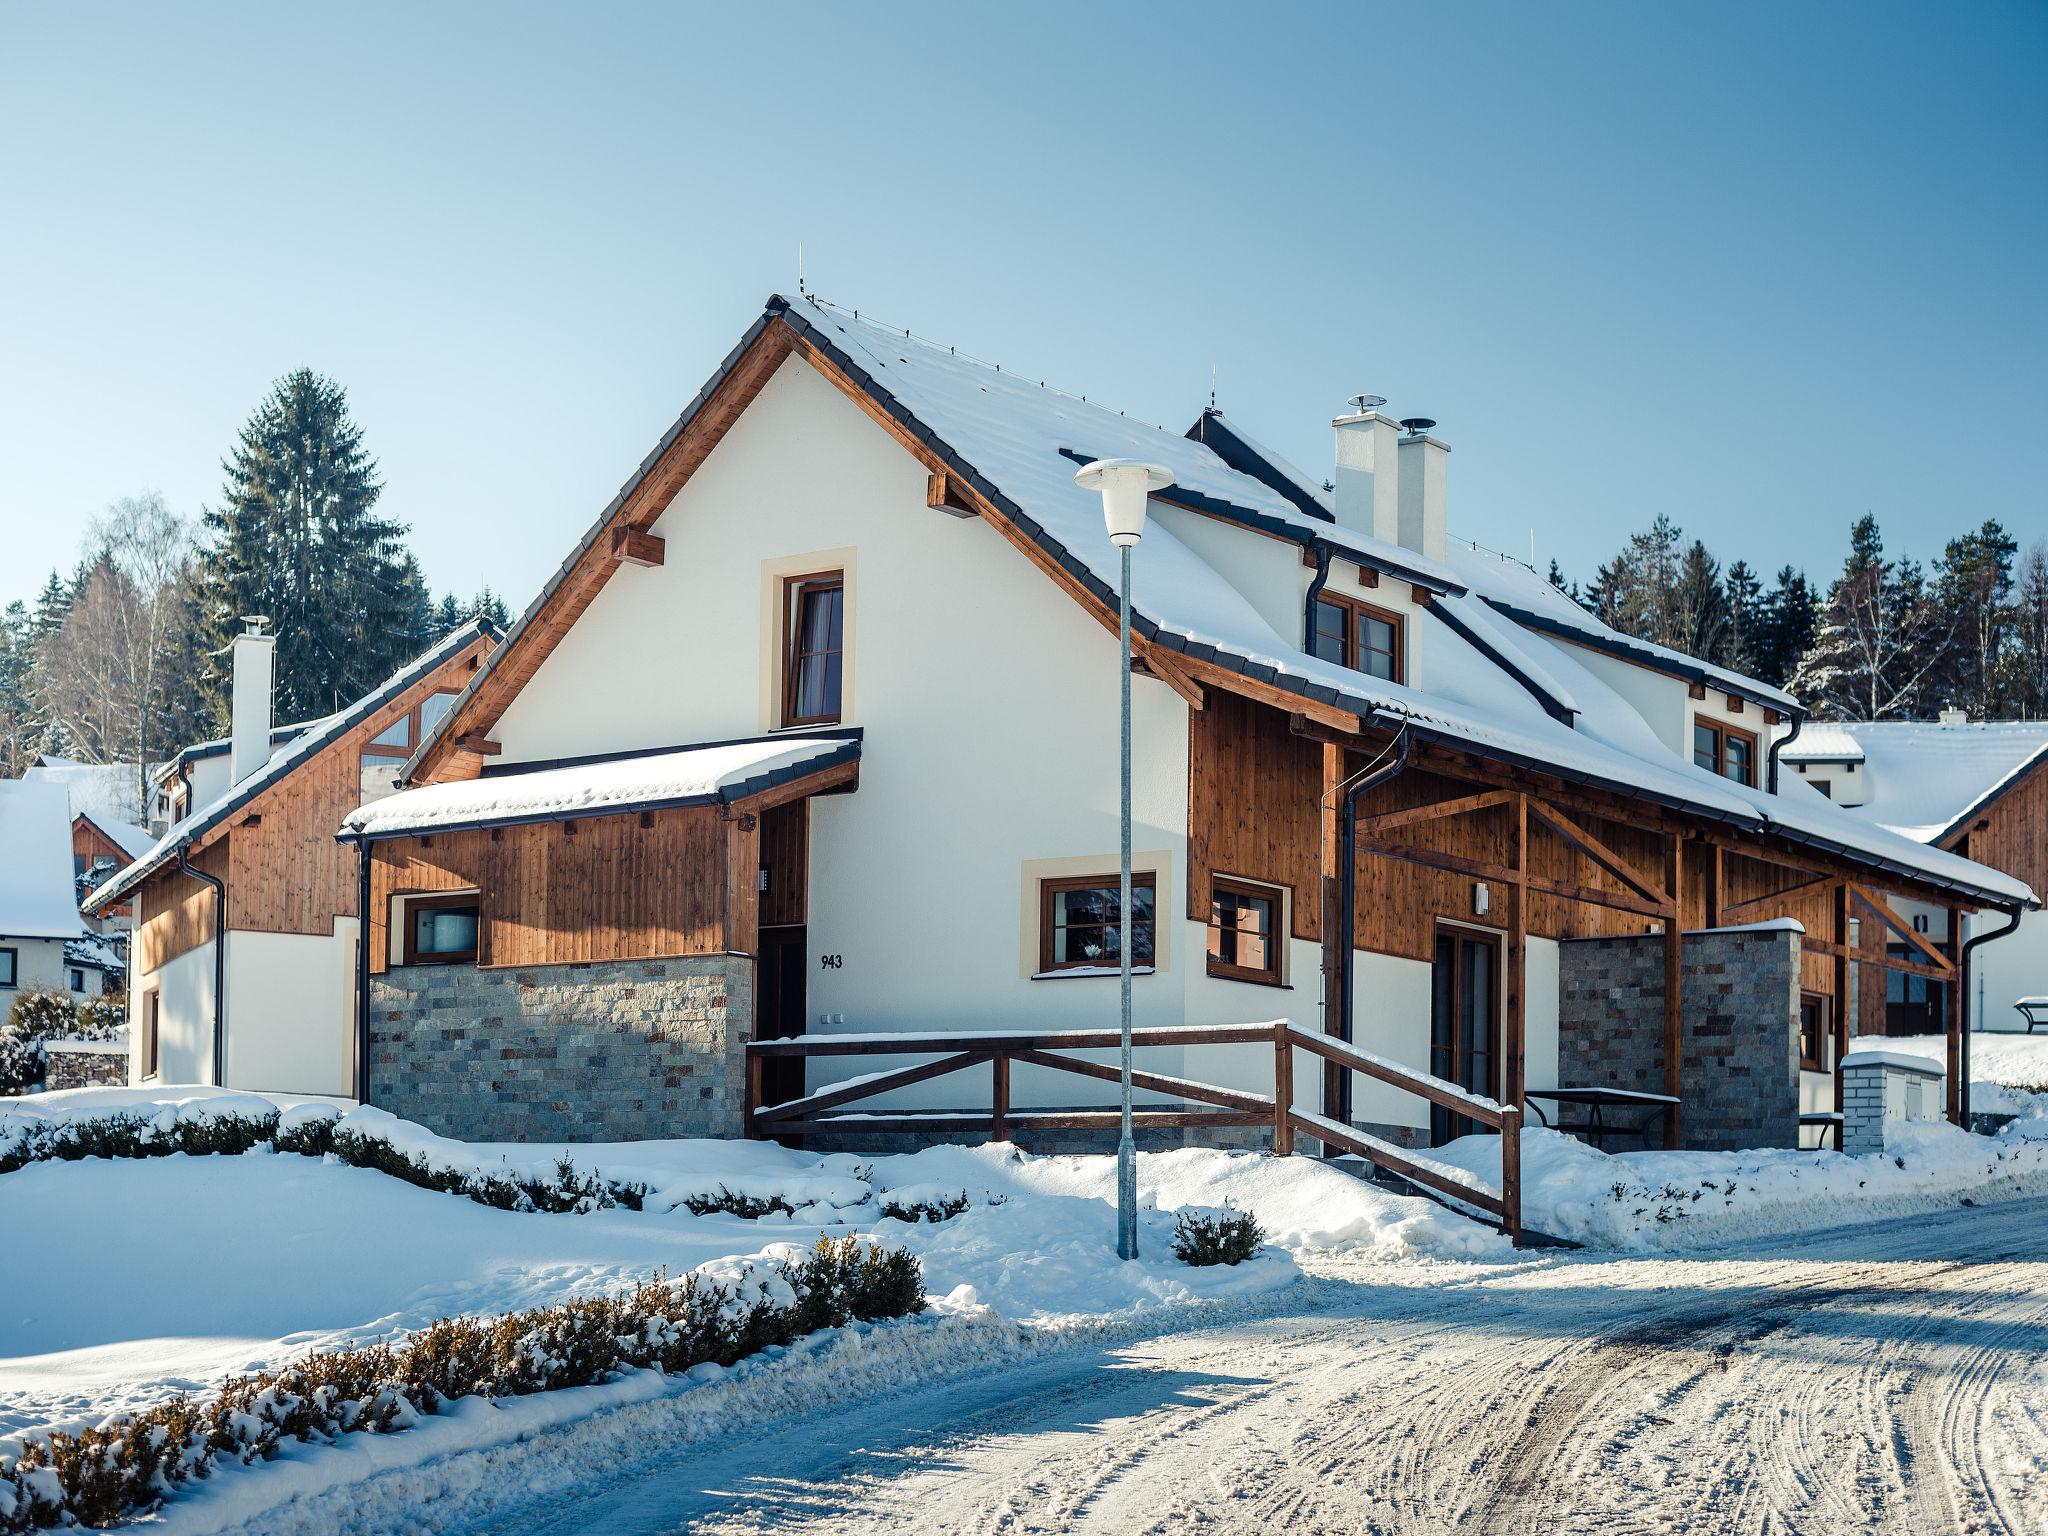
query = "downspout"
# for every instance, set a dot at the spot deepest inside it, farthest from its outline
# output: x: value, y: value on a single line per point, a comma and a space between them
x: 1778, y: 745
x: 220, y: 964
x: 1347, y: 854
x: 2012, y: 921
x: 362, y: 970
x: 1315, y: 590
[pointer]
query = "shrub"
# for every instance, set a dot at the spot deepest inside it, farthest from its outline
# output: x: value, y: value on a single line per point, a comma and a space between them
x: 719, y: 1315
x: 750, y: 1207
x: 916, y: 1207
x: 22, y: 1061
x: 100, y: 1017
x: 1225, y: 1236
x: 42, y: 1012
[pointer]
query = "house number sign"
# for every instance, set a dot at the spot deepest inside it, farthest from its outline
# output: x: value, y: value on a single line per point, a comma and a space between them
x: 830, y: 962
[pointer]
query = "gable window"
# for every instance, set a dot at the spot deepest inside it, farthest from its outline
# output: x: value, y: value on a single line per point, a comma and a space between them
x: 1725, y: 750
x: 10, y: 964
x: 1359, y: 636
x: 813, y: 650
x: 1244, y: 923
x: 1813, y: 1031
x: 1079, y: 924
x: 441, y: 930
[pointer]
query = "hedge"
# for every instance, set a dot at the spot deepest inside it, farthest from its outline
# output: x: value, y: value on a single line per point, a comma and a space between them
x: 132, y: 1462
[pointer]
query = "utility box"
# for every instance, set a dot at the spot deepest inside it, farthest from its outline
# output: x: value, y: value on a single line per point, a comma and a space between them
x: 1880, y: 1085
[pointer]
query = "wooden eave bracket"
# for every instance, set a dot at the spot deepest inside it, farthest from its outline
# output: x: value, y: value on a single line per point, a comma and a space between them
x: 477, y: 746
x: 636, y: 546
x: 1884, y: 914
x: 1161, y: 665
x: 943, y: 494
x: 1464, y: 805
x: 1601, y: 855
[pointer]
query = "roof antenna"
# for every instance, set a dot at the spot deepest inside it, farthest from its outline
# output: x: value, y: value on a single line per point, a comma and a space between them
x: 1212, y: 386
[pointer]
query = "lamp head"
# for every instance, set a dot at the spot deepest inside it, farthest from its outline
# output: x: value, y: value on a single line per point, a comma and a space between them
x: 1124, y: 484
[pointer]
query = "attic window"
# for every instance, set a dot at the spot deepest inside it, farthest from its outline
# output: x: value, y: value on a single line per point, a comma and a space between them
x: 813, y: 648
x: 1725, y: 750
x: 1359, y: 636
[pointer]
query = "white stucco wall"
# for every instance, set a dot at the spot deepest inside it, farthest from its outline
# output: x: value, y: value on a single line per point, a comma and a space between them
x: 2011, y: 967
x: 37, y: 963
x: 290, y: 1020
x: 185, y: 1018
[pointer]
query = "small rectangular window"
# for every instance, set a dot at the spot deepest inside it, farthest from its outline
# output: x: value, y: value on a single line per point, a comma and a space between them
x: 1813, y: 1031
x: 814, y: 628
x: 76, y: 979
x: 1359, y: 636
x: 1244, y: 932
x: 1080, y: 923
x: 1824, y: 787
x: 10, y: 961
x: 441, y: 930
x: 1724, y: 750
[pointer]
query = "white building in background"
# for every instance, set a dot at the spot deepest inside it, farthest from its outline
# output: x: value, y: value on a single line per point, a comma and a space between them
x: 38, y: 903
x: 1977, y: 788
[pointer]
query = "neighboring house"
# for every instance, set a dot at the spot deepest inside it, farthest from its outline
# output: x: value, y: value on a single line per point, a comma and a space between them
x: 1977, y: 789
x: 105, y: 792
x: 199, y: 775
x: 272, y: 1006
x: 38, y: 904
x: 816, y: 731
x: 95, y: 967
x: 98, y: 850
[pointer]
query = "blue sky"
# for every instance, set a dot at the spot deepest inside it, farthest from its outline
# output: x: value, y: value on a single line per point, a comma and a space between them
x: 1762, y: 268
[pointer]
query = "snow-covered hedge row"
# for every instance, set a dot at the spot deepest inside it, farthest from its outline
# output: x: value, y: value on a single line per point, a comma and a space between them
x: 718, y: 1314
x: 234, y: 1124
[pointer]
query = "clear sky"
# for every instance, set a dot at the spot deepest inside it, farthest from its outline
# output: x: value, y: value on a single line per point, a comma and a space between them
x: 1760, y: 267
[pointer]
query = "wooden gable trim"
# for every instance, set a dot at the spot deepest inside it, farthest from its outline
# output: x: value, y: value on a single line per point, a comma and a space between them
x: 636, y: 546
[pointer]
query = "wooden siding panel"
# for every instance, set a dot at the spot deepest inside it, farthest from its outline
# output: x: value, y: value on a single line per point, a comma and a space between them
x: 174, y: 913
x: 2013, y: 835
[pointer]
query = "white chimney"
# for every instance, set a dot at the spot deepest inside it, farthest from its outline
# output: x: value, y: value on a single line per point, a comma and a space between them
x: 249, y: 704
x: 1366, y: 497
x: 1954, y: 717
x: 1422, y: 491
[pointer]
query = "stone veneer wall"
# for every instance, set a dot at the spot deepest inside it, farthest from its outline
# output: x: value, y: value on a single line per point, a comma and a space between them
x: 85, y: 1065
x: 1739, y: 1050
x: 605, y: 1050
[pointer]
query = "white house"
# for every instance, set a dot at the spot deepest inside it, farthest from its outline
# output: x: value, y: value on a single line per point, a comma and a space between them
x: 38, y: 904
x: 815, y: 733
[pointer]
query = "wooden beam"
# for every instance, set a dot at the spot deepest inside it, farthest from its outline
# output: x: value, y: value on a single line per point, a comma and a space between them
x: 1841, y: 980
x: 478, y: 746
x: 867, y: 1087
x: 1340, y: 720
x: 1714, y: 886
x: 1163, y: 665
x: 1736, y: 910
x: 1901, y: 927
x: 1463, y: 806
x: 1152, y: 1082
x: 1481, y: 869
x: 1882, y: 962
x: 1516, y: 962
x: 840, y: 776
x: 1674, y: 987
x: 942, y: 494
x: 636, y: 546
x: 1337, y: 944
x: 1595, y: 850
x: 1954, y: 1012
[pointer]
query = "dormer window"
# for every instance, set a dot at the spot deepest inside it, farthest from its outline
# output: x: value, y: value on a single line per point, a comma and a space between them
x: 1725, y: 750
x: 1359, y: 636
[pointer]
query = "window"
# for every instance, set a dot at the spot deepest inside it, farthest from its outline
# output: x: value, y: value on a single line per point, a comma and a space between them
x: 1813, y: 1032
x: 433, y: 710
x: 1359, y: 636
x: 1079, y: 922
x: 10, y: 960
x: 1824, y: 787
x: 75, y: 978
x: 1244, y: 925
x: 1725, y: 750
x: 814, y: 644
x: 152, y: 1021
x: 441, y: 930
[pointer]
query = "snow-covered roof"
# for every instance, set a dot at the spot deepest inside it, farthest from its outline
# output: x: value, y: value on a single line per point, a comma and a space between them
x: 1924, y: 780
x: 131, y: 840
x: 300, y: 749
x: 95, y: 952
x: 36, y: 898
x: 1821, y: 741
x: 719, y: 772
x: 220, y: 746
x: 106, y: 792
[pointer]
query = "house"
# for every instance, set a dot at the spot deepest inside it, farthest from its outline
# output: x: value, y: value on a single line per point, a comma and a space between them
x: 38, y: 904
x: 1977, y: 788
x: 106, y: 830
x: 243, y: 969
x: 815, y: 733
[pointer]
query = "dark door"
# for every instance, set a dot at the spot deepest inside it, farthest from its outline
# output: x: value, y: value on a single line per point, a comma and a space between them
x: 779, y: 976
x: 1464, y: 1013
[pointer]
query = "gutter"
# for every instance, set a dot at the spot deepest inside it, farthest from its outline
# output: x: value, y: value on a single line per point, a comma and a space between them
x: 220, y: 965
x: 1347, y: 917
x: 362, y: 1083
x: 1779, y: 745
x: 2012, y: 922
x: 1315, y: 590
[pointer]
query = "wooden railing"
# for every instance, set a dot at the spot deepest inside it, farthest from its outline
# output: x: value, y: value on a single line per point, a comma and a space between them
x: 826, y: 1112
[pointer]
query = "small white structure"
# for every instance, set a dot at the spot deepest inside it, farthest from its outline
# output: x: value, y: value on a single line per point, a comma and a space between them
x: 1880, y: 1085
x: 38, y: 907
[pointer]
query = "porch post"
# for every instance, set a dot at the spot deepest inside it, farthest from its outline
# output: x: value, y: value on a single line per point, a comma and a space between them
x: 1517, y: 988
x: 1333, y: 921
x: 1955, y: 1010
x: 1674, y: 975
x: 1841, y: 1008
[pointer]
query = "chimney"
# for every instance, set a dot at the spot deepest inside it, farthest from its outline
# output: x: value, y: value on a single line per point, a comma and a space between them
x: 249, y: 704
x: 1422, y: 487
x: 1367, y: 501
x: 1954, y: 717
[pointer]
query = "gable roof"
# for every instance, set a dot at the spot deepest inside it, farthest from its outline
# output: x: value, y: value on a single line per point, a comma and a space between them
x: 131, y: 840
x: 36, y: 897
x: 1015, y: 443
x: 303, y: 748
x: 107, y: 792
x: 1928, y: 781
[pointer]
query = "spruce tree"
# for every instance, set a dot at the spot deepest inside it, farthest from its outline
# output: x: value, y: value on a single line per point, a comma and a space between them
x: 1880, y: 639
x: 1637, y: 591
x: 1747, y: 618
x: 1973, y: 584
x: 18, y: 725
x: 1700, y: 607
x: 297, y: 539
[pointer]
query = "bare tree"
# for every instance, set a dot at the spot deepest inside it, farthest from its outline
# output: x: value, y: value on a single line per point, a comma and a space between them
x: 2031, y: 624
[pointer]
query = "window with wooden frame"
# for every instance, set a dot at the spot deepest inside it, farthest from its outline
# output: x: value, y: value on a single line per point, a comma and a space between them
x: 1359, y: 636
x: 1813, y: 1031
x: 386, y: 752
x: 440, y: 929
x: 152, y: 1031
x: 10, y: 967
x: 813, y: 647
x: 1726, y: 750
x: 1244, y: 931
x: 1079, y: 923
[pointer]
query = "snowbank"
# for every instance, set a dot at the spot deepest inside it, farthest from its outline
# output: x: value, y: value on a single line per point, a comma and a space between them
x: 1669, y: 1200
x: 1999, y: 1065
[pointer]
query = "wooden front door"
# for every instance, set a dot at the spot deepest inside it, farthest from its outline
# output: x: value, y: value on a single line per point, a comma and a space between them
x: 1464, y: 1023
x: 779, y: 976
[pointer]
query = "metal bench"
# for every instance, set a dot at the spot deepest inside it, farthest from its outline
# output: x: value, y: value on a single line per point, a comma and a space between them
x: 1827, y: 1120
x: 1597, y: 1101
x: 2033, y: 1009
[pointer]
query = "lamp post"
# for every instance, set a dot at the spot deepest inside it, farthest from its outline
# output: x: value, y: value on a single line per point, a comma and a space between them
x: 1124, y: 484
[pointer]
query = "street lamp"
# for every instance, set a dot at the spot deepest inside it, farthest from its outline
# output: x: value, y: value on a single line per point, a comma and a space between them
x: 1124, y: 484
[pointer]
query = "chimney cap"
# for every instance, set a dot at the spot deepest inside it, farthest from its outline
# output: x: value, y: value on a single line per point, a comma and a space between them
x: 1360, y: 404
x: 1416, y: 425
x: 254, y: 623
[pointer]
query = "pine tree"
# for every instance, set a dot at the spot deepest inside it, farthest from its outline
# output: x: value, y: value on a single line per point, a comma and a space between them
x: 1636, y: 591
x: 1880, y: 639
x: 1747, y: 617
x: 1700, y: 609
x: 448, y: 614
x: 297, y: 539
x: 2028, y: 668
x: 53, y: 603
x: 1973, y: 585
x: 1791, y: 615
x: 19, y: 728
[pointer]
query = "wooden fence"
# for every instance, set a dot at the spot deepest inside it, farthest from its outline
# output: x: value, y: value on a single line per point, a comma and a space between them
x: 827, y: 1111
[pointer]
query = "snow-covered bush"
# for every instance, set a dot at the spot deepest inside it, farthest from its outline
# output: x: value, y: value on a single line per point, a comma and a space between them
x: 748, y: 1207
x: 719, y: 1314
x: 41, y: 1015
x: 99, y: 1018
x: 1205, y: 1235
x: 922, y: 1202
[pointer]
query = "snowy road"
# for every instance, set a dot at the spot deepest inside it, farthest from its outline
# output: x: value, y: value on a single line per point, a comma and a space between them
x: 1892, y: 1377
